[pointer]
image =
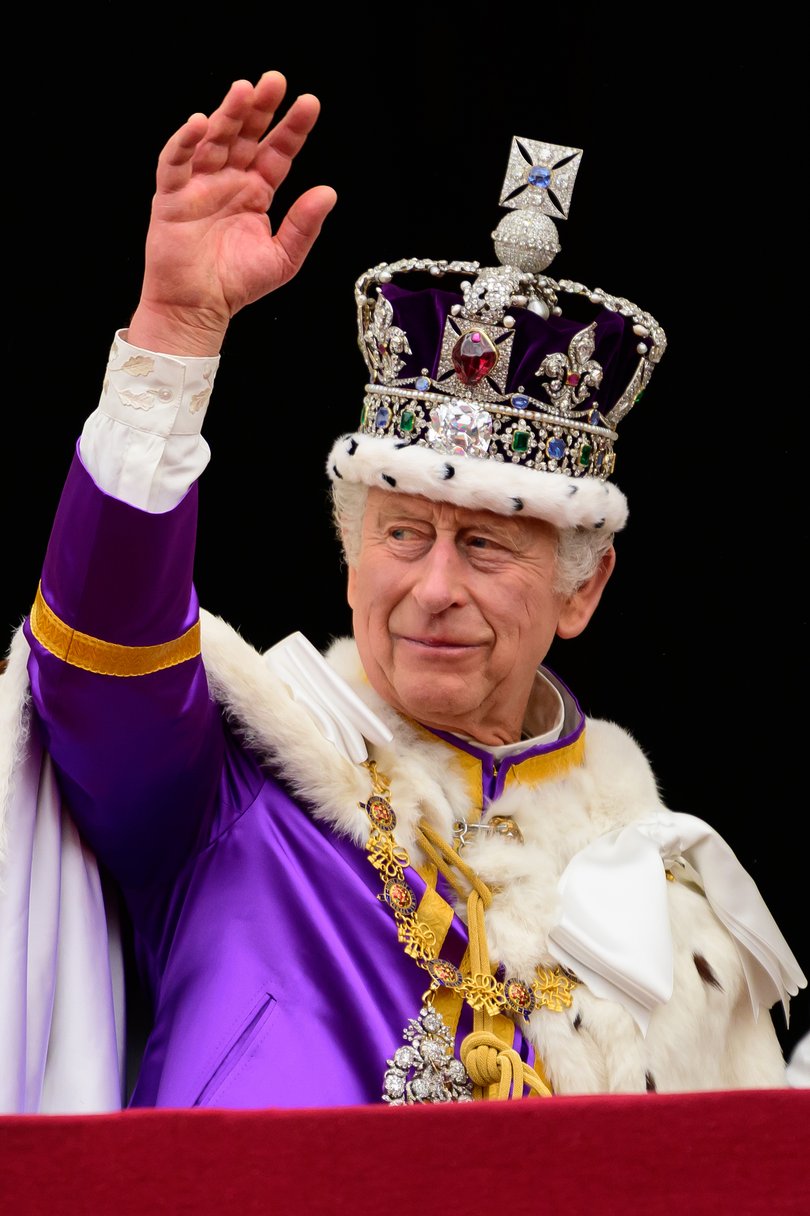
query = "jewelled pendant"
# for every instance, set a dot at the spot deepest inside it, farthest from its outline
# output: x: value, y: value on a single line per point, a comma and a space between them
x: 424, y: 1069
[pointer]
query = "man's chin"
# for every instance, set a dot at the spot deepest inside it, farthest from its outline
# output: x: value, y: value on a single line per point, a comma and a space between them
x: 436, y: 701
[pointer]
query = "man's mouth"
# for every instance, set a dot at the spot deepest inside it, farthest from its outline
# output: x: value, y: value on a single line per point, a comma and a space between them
x: 439, y: 643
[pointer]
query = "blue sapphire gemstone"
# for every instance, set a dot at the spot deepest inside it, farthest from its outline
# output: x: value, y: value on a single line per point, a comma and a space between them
x: 422, y: 384
x: 540, y: 176
x: 556, y: 448
x: 382, y: 417
x: 520, y: 402
x: 595, y: 418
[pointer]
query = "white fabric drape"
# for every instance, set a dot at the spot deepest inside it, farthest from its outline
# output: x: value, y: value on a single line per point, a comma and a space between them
x: 613, y: 923
x: 61, y: 973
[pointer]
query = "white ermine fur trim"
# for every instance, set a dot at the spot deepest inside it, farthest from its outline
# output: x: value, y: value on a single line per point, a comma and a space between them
x: 14, y: 701
x: 284, y: 735
x: 478, y: 483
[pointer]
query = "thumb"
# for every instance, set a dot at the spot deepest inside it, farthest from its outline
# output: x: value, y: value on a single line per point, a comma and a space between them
x: 301, y: 226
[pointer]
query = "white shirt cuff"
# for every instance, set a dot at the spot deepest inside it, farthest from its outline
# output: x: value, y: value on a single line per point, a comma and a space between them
x: 143, y: 444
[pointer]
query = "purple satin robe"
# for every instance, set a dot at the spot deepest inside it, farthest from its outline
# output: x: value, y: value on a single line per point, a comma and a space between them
x: 272, y: 966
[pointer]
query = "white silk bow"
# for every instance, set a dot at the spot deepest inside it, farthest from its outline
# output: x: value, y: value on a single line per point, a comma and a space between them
x: 613, y: 920
x: 334, y: 706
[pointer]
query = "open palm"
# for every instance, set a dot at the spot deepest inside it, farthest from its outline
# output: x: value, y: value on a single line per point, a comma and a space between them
x: 210, y: 247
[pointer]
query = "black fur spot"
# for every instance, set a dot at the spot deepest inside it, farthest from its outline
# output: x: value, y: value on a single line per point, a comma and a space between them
x: 392, y: 481
x: 448, y: 471
x: 572, y: 489
x: 705, y: 972
x: 351, y: 447
x: 650, y: 1083
x: 577, y: 1021
x: 403, y: 443
x: 337, y: 472
x: 517, y: 504
x: 600, y: 523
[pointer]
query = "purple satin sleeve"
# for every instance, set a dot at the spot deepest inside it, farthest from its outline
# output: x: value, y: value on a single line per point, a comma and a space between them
x: 138, y: 757
x: 116, y: 572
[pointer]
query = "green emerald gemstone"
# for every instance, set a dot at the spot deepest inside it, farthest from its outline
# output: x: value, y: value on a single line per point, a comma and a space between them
x: 520, y: 441
x: 638, y: 397
x: 406, y: 420
x: 585, y: 454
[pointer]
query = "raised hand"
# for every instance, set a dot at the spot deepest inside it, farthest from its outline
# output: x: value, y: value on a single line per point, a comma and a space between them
x: 210, y: 247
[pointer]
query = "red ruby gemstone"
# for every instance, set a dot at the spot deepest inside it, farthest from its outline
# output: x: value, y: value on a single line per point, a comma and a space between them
x: 573, y: 378
x: 474, y: 356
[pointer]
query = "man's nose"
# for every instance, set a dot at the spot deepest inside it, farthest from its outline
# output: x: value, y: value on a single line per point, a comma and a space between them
x: 440, y: 581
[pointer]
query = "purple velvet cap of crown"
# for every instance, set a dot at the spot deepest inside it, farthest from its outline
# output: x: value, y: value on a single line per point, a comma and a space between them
x: 422, y: 314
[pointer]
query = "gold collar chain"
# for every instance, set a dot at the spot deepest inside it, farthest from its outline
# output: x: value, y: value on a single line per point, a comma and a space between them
x: 550, y: 989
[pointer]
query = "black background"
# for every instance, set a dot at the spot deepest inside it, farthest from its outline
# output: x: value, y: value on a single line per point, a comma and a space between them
x: 684, y: 203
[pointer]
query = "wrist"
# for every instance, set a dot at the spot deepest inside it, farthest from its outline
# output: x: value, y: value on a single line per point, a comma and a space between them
x: 176, y: 331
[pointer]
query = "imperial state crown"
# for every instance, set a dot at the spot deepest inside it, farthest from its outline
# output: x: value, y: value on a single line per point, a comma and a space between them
x: 498, y: 386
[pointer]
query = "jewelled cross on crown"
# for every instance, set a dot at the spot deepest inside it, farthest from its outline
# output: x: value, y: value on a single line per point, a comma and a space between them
x: 538, y: 184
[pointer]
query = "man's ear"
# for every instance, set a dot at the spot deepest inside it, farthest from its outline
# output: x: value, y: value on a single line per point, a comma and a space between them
x: 351, y: 582
x: 580, y: 607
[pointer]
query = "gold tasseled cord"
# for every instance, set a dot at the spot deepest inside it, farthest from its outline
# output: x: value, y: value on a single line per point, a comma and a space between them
x: 495, y: 1068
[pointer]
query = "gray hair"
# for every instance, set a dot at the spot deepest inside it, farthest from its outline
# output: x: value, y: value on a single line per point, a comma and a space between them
x: 579, y: 552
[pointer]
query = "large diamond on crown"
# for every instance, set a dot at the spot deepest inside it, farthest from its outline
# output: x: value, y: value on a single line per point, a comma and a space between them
x: 460, y: 428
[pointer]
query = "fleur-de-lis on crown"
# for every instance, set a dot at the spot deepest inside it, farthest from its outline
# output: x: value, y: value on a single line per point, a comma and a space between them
x: 572, y: 376
x: 385, y: 342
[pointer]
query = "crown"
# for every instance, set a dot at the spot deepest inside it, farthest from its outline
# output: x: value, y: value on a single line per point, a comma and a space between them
x: 497, y: 386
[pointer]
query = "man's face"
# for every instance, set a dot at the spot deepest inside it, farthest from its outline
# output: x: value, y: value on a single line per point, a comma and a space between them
x: 453, y: 611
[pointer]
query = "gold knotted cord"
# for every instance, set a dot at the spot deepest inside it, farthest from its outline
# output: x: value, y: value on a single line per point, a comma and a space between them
x: 496, y: 1070
x: 448, y: 860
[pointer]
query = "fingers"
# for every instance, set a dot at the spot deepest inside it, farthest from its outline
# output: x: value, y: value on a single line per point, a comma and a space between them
x: 301, y: 225
x: 236, y: 126
x: 283, y: 143
x: 232, y: 135
x: 267, y: 97
x: 175, y: 161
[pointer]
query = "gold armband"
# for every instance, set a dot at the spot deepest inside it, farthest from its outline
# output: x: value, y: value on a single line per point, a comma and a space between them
x: 107, y: 658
